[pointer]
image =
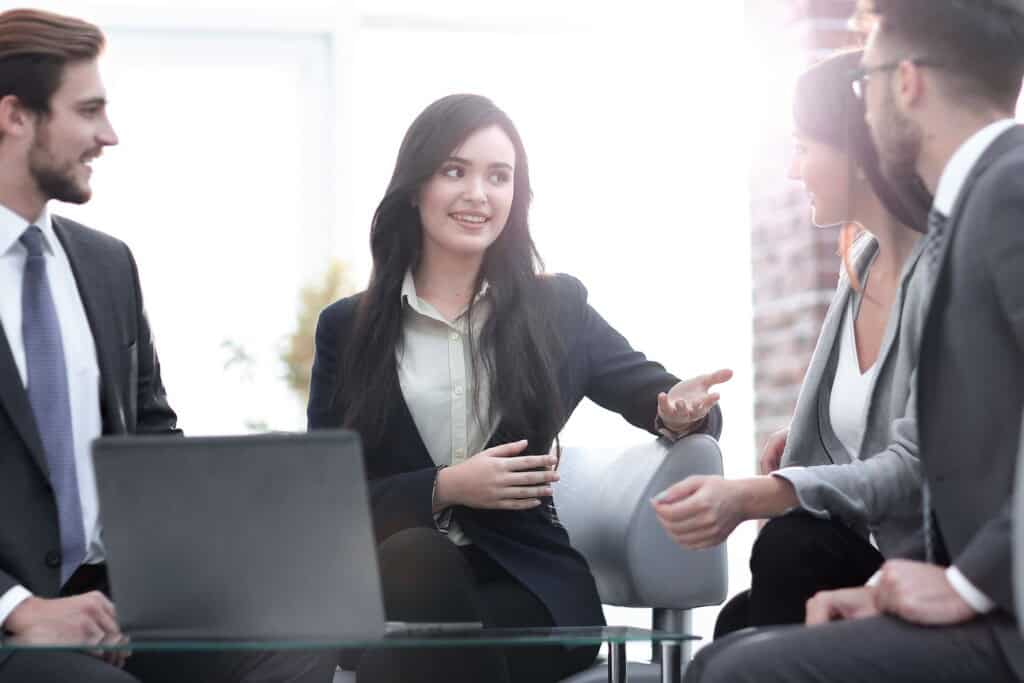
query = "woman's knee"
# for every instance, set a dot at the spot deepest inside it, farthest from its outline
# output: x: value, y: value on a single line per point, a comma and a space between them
x: 734, y: 615
x: 786, y: 543
x: 425, y: 577
x: 414, y: 546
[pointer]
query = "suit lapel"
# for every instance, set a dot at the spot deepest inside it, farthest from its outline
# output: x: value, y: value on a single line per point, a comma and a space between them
x: 892, y: 328
x: 14, y: 400
x: 97, y: 299
x: 895, y: 322
x: 1011, y: 138
x: 821, y: 373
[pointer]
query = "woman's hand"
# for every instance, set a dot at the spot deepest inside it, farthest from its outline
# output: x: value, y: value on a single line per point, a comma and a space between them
x: 700, y: 511
x: 771, y: 456
x: 498, y: 478
x: 688, y: 402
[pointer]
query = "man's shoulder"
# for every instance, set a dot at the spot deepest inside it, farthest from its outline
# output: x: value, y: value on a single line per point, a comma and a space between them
x: 82, y: 234
x: 1008, y: 166
x: 996, y: 195
x: 1005, y: 157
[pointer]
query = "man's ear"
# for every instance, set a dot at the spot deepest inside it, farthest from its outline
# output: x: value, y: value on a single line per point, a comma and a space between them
x: 15, y: 119
x: 910, y: 82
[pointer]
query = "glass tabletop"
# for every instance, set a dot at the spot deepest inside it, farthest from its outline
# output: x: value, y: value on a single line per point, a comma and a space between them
x: 472, y: 637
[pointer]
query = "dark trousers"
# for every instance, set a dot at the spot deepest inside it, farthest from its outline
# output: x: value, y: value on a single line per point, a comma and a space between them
x: 875, y: 650
x: 794, y: 557
x: 161, y: 667
x: 427, y: 578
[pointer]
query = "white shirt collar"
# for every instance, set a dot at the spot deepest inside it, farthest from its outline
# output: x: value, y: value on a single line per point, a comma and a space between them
x: 410, y: 297
x: 963, y: 162
x: 12, y: 226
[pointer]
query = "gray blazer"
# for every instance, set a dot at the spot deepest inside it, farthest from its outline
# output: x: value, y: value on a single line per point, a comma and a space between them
x: 970, y: 388
x: 879, y: 493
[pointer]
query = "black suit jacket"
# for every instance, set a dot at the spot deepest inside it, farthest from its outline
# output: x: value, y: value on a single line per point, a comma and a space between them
x: 131, y: 394
x: 971, y: 378
x: 597, y: 363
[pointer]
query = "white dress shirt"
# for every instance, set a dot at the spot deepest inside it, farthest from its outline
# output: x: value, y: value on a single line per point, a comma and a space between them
x: 951, y: 182
x: 79, y: 356
x: 436, y: 374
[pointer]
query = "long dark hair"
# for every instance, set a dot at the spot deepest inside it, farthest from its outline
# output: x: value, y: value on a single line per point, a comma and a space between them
x: 517, y: 345
x: 825, y: 109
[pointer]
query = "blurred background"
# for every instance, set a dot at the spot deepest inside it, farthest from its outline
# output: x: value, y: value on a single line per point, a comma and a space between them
x: 258, y: 136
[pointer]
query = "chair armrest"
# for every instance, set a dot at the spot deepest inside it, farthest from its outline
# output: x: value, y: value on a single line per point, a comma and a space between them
x: 603, y: 500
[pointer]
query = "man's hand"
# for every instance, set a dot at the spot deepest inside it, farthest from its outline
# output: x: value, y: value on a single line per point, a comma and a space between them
x: 771, y: 456
x: 688, y: 402
x: 848, y: 603
x: 920, y: 593
x: 700, y: 511
x: 498, y: 478
x: 87, y: 619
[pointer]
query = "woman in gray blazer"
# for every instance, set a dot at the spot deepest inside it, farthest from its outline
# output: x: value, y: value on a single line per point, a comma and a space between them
x: 848, y: 493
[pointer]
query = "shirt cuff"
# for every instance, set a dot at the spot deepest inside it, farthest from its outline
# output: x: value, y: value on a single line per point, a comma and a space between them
x: 663, y: 429
x: 978, y: 601
x: 10, y: 601
x: 873, y: 581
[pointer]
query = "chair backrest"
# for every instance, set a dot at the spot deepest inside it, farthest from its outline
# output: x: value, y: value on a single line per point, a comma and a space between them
x: 604, y: 501
x: 1018, y: 533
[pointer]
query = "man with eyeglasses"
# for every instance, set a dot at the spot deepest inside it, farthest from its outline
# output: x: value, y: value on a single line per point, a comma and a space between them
x: 940, y: 80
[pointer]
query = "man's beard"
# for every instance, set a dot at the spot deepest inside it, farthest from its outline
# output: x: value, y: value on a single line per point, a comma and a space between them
x: 899, y: 144
x: 54, y: 180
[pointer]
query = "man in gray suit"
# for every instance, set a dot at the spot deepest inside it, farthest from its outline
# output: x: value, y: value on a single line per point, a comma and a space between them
x: 941, y: 80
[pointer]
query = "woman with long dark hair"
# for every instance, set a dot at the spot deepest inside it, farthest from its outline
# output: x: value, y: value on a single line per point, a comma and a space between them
x: 458, y: 366
x: 849, y: 492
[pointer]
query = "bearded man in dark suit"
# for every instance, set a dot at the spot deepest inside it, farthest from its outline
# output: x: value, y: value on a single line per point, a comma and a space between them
x: 76, y: 361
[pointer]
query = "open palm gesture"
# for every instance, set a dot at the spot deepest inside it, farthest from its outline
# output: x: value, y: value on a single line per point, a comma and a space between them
x: 688, y: 402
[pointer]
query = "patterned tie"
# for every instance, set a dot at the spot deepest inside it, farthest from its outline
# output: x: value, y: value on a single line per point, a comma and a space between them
x: 49, y: 398
x: 935, y: 239
x: 933, y: 254
x: 928, y: 530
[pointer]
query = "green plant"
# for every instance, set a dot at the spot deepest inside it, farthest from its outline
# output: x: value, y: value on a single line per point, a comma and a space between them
x: 297, y: 352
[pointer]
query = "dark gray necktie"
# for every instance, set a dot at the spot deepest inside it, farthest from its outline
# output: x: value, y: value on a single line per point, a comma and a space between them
x: 937, y: 223
x: 928, y: 528
x: 50, y: 400
x: 937, y: 236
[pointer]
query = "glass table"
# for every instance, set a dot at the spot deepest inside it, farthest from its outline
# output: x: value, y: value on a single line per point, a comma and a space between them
x: 616, y: 637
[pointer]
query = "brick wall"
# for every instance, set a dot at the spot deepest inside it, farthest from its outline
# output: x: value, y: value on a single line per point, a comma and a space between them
x: 795, y: 265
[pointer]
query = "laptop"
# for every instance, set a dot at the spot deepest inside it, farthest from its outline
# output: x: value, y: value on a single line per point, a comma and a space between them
x: 251, y: 537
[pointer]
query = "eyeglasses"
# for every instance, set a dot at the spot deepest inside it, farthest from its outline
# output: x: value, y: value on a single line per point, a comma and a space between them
x: 859, y: 77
